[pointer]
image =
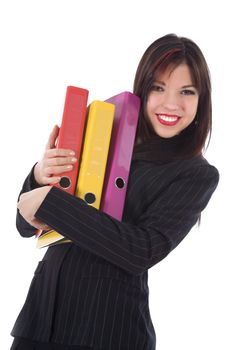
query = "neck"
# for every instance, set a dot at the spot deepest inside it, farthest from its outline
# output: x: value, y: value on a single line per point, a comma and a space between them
x: 158, y: 148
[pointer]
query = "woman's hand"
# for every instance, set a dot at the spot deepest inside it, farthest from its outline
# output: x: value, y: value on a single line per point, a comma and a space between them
x: 54, y: 161
x: 28, y: 204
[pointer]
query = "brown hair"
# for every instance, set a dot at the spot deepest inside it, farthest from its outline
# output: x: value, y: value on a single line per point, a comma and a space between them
x: 165, y: 53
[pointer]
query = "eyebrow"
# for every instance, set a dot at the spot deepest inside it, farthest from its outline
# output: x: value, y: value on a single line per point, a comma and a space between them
x: 188, y: 86
x: 182, y: 87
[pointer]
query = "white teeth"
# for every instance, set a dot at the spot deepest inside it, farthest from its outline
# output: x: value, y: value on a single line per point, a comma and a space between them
x: 168, y: 119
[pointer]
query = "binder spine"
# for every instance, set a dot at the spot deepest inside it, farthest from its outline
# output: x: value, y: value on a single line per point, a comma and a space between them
x: 95, y: 152
x: 120, y: 153
x: 71, y: 132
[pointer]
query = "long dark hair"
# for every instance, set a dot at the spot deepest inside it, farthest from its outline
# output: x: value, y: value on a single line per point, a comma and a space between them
x: 165, y: 53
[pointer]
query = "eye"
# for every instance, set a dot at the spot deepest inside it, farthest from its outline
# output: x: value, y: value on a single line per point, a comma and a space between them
x: 188, y: 92
x: 157, y: 88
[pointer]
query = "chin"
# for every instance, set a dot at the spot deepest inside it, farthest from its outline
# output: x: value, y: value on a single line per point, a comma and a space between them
x: 167, y: 135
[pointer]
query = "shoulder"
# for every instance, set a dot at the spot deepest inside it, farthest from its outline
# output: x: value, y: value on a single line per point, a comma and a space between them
x: 176, y: 167
x: 202, y: 168
x: 162, y: 174
x: 151, y: 183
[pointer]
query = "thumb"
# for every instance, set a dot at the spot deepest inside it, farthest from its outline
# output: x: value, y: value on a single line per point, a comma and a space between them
x: 52, y: 138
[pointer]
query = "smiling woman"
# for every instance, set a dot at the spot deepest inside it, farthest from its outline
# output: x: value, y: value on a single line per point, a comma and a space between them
x: 172, y: 102
x: 173, y: 82
x: 92, y: 293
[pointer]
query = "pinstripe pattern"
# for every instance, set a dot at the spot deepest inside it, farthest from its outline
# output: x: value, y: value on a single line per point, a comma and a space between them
x: 94, y: 292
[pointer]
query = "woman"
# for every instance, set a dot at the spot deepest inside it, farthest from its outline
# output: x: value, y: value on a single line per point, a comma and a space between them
x: 93, y: 293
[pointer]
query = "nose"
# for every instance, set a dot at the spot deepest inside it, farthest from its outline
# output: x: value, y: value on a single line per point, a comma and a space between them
x: 171, y: 101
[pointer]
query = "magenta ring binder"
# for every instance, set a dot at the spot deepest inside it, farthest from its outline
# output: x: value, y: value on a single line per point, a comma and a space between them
x: 127, y: 107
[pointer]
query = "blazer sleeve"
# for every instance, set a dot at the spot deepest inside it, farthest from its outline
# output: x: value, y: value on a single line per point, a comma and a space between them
x: 133, y: 247
x: 24, y: 228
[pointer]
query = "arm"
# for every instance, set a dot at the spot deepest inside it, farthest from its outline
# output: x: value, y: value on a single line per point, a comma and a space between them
x: 134, y: 248
x: 24, y: 228
x: 45, y: 172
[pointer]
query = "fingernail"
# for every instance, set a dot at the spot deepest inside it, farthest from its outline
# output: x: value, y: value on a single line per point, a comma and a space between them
x: 72, y: 153
x: 74, y: 160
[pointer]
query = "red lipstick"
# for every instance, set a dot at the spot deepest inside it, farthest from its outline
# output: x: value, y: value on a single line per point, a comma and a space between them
x: 168, y: 119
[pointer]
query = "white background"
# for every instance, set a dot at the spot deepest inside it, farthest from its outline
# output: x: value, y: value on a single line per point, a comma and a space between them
x: 47, y: 45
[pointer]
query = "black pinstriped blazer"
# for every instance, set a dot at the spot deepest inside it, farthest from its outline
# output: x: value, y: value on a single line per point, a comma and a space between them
x: 94, y: 291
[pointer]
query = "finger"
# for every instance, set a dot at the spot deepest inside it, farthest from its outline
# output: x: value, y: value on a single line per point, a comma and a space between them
x: 51, y: 174
x: 58, y: 152
x: 51, y: 180
x: 39, y: 225
x: 60, y: 161
x: 52, y: 138
x: 55, y: 170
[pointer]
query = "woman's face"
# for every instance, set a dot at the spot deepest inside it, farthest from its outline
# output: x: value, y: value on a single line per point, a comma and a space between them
x: 172, y: 102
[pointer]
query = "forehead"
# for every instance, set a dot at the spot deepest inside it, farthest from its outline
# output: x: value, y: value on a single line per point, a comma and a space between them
x: 180, y: 73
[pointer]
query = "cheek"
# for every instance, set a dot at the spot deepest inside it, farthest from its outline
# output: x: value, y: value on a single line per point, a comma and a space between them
x: 192, y: 109
x: 151, y: 104
x: 148, y: 107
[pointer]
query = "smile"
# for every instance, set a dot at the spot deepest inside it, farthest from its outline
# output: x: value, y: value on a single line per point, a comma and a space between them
x: 169, y: 120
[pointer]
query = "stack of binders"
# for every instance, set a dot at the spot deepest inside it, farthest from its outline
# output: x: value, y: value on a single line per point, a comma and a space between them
x: 102, y: 136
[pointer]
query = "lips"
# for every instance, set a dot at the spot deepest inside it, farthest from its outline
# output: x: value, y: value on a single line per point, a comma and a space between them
x: 168, y: 119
